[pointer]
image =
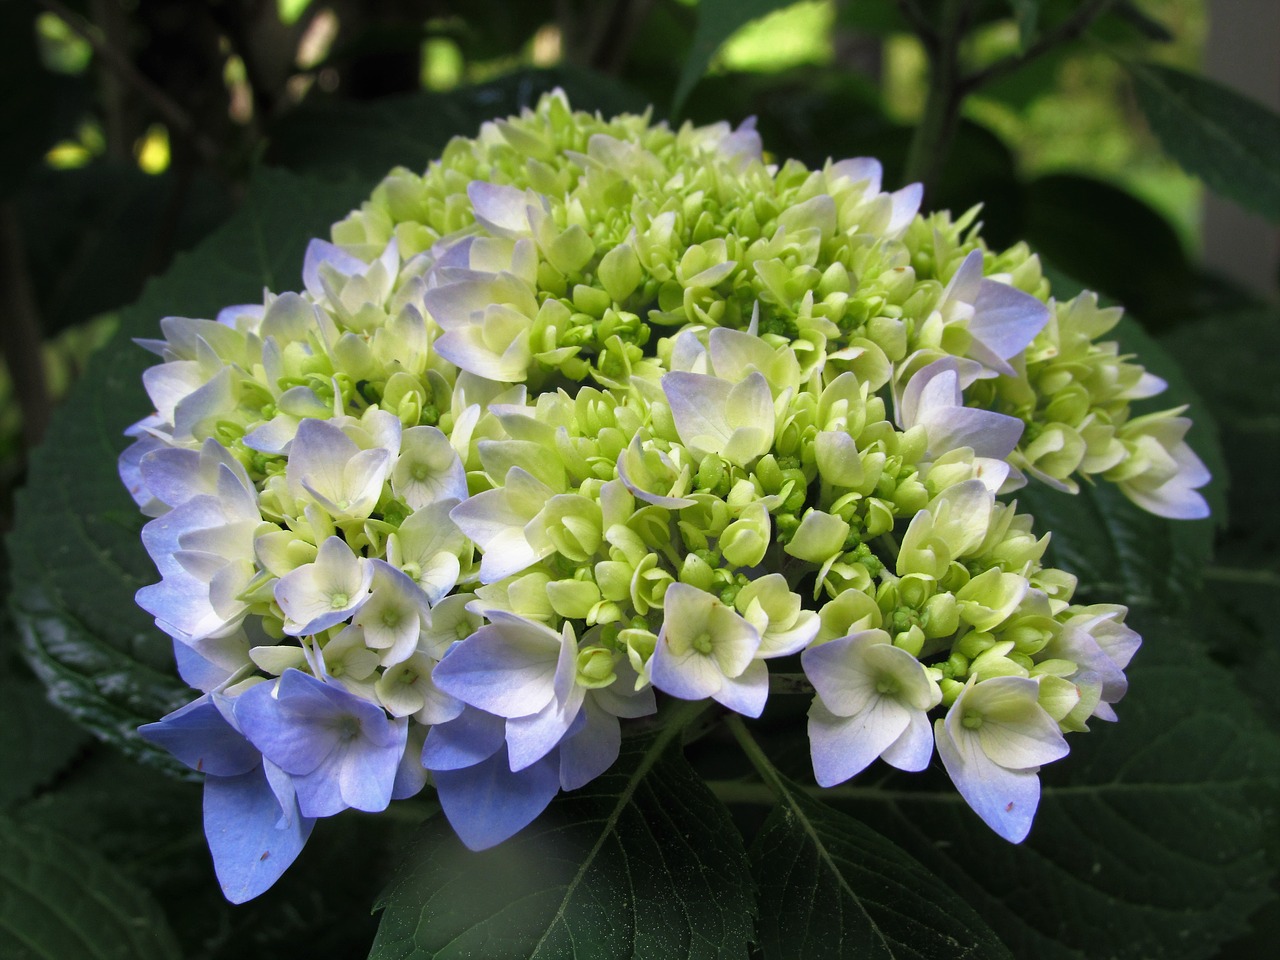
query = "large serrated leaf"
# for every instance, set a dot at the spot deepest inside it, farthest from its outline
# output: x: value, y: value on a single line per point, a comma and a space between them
x: 1229, y: 141
x: 36, y: 741
x: 58, y: 899
x: 643, y: 862
x: 1149, y: 840
x: 833, y: 889
x: 77, y: 559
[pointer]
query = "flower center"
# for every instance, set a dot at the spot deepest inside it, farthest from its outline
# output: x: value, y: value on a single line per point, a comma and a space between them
x: 887, y: 685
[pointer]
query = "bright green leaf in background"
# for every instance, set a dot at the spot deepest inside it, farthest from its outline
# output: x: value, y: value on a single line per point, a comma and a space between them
x: 717, y: 21
x: 1229, y: 141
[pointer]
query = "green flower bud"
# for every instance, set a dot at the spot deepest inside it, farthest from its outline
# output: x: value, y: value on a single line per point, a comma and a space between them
x: 596, y: 667
x: 745, y: 541
x: 1058, y: 697
x: 573, y: 599
x: 620, y: 272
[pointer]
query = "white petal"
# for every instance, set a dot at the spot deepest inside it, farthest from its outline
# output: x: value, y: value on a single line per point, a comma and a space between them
x: 843, y: 747
x: 1005, y: 799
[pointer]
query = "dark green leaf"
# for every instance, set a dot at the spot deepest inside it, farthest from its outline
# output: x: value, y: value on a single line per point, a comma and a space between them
x: 1143, y: 22
x: 643, y: 862
x: 1026, y: 13
x: 93, y: 235
x: 59, y: 900
x: 36, y: 741
x: 982, y: 170
x: 76, y: 553
x: 1236, y: 360
x: 1236, y: 357
x: 1229, y: 141
x: 1110, y: 241
x: 149, y: 827
x: 717, y: 21
x: 832, y: 888
x: 1149, y: 840
x: 340, y: 138
x: 875, y: 18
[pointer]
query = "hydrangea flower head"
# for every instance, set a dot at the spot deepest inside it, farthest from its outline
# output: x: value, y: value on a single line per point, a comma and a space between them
x: 596, y: 411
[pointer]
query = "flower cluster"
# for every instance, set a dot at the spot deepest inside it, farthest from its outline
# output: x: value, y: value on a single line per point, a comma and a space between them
x: 594, y: 408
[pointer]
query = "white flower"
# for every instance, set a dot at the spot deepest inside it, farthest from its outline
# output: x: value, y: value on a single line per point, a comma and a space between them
x: 320, y: 595
x: 706, y: 650
x: 993, y: 742
x: 713, y: 416
x: 327, y: 466
x: 873, y: 700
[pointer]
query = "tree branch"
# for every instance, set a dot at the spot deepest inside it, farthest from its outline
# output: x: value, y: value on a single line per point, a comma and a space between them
x: 118, y: 63
x: 919, y: 23
x: 1069, y: 29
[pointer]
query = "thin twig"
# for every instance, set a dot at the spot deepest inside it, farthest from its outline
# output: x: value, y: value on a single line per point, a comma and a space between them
x: 610, y: 49
x: 118, y: 63
x: 931, y: 142
x: 919, y: 23
x: 1069, y: 29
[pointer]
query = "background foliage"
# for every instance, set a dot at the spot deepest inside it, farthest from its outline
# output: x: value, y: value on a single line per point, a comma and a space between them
x: 203, y: 143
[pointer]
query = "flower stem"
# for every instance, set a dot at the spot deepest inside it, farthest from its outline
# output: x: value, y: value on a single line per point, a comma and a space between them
x: 933, y: 135
x: 768, y: 773
x: 785, y: 683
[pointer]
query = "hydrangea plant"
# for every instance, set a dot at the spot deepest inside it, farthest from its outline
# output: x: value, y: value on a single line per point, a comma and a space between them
x: 597, y: 413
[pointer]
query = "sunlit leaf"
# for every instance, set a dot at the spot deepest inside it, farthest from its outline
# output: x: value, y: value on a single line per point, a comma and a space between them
x: 717, y: 21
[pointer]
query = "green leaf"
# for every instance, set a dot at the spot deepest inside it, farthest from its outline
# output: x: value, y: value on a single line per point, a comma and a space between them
x: 717, y: 21
x: 148, y: 826
x: 643, y: 862
x: 1141, y: 21
x: 1149, y: 840
x: 1111, y: 241
x: 1229, y: 141
x: 93, y: 235
x: 77, y: 559
x: 59, y: 900
x: 1236, y: 359
x: 36, y: 741
x: 1026, y: 13
x: 830, y: 887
